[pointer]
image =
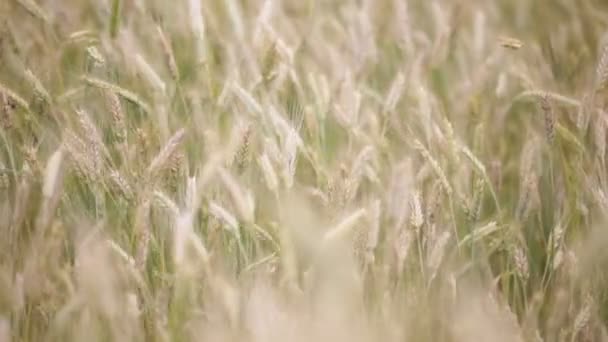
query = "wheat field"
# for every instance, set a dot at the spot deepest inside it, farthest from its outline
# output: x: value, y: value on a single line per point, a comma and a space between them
x: 303, y: 170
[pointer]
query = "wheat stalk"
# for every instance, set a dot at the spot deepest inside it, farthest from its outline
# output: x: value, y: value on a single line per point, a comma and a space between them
x: 95, y: 56
x: 93, y: 137
x: 242, y: 156
x: 402, y: 246
x: 547, y: 109
x: 583, y: 317
x: 4, y: 179
x: 394, y: 93
x: 242, y: 199
x: 416, y: 216
x: 269, y: 173
x: 480, y: 233
x: 168, y: 53
x: 224, y: 215
x: 34, y: 9
x: 562, y: 99
x: 127, y: 94
x: 437, y: 252
x: 150, y: 74
x: 248, y: 100
x: 143, y: 232
x: 521, y: 263
x: 79, y: 154
x: 122, y: 184
x: 164, y: 201
x: 164, y: 155
x: 599, y: 136
x: 344, y: 227
x: 435, y: 165
x: 39, y: 90
x: 14, y: 97
x: 52, y: 173
x: 601, y: 70
x: 118, y: 116
x: 197, y: 24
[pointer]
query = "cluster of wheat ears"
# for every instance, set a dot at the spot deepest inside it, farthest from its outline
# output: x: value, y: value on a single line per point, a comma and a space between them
x: 302, y: 170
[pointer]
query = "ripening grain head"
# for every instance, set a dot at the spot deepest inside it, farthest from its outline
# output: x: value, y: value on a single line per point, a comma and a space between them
x: 303, y: 170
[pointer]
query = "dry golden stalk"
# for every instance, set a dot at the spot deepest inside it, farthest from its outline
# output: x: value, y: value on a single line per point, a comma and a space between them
x: 374, y: 230
x: 127, y: 94
x: 51, y: 189
x: 4, y: 180
x: 394, y: 93
x: 555, y: 247
x: 31, y: 159
x: 344, y: 227
x: 95, y: 56
x: 120, y: 183
x: 402, y: 246
x: 35, y: 10
x: 521, y: 263
x: 118, y: 116
x: 243, y: 155
x: 168, y: 53
x: 143, y: 141
x: 581, y: 322
x: 163, y: 157
x: 496, y: 174
x: 528, y: 196
x: 510, y: 43
x: 433, y: 204
x: 435, y: 165
x: 437, y: 252
x: 7, y: 106
x: 143, y: 233
x: 270, y: 176
x: 39, y: 91
x: 601, y: 71
x: 599, y: 136
x: 21, y: 199
x: 12, y: 99
x: 269, y: 63
x: 416, y: 216
x: 176, y: 164
x: 149, y: 74
x: 79, y: 154
x: 358, y: 245
x: 95, y: 146
x: 475, y: 210
x: 557, y: 235
x: 53, y: 173
x: 549, y: 116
